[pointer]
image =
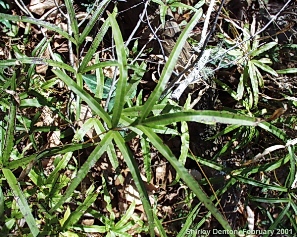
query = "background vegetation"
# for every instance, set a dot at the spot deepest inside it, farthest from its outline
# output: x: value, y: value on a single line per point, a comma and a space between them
x: 147, y: 118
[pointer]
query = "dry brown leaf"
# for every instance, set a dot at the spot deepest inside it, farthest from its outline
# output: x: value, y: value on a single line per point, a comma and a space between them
x: 39, y: 6
x: 161, y: 177
x: 277, y: 113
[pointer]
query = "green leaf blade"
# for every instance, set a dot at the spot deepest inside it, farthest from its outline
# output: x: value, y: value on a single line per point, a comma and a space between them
x: 21, y: 201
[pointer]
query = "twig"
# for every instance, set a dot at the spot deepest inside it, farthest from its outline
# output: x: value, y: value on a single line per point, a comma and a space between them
x: 156, y: 37
x: 138, y: 23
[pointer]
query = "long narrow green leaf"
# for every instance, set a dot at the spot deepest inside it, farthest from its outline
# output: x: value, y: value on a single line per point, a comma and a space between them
x: 72, y: 19
x: 263, y: 48
x: 279, y: 218
x: 79, y: 82
x: 259, y: 184
x: 133, y: 167
x: 21, y: 201
x: 92, y: 103
x: 93, y: 20
x: 126, y: 216
x: 122, y: 82
x: 94, y: 46
x: 274, y: 130
x: 264, y: 67
x: 287, y: 71
x: 61, y: 165
x: 292, y: 173
x: 189, y: 221
x: 99, y: 65
x: 184, y: 174
x: 2, y: 207
x: 36, y: 61
x: 201, y: 116
x: 47, y: 153
x: 169, y: 66
x: 269, y: 200
x: 146, y: 157
x: 89, y: 163
x: 35, y: 21
x: 81, y: 209
x: 9, y: 137
x: 254, y: 82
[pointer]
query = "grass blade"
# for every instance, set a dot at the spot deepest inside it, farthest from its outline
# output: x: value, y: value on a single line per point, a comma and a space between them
x: 21, y: 201
x: 92, y: 159
x: 122, y: 82
x: 36, y: 61
x: 254, y: 82
x: 95, y: 17
x: 35, y: 21
x: 94, y: 46
x: 72, y: 19
x: 201, y: 116
x: 184, y: 174
x: 92, y: 103
x: 133, y: 167
x: 81, y: 209
x: 9, y: 137
x: 169, y: 66
x: 259, y: 184
x: 279, y: 218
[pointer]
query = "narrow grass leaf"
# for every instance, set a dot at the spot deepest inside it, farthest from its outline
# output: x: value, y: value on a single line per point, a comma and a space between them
x: 260, y: 77
x: 35, y: 21
x: 263, y: 48
x: 125, y: 218
x: 159, y: 226
x: 109, y: 63
x: 269, y: 200
x: 81, y: 209
x: 21, y: 201
x: 170, y: 65
x: 92, y: 103
x: 185, y: 144
x: 254, y: 82
x: 85, y: 168
x: 99, y: 79
x: 10, y: 136
x: 190, y: 220
x: 79, y: 81
x: 274, y: 130
x: 241, y: 86
x: 61, y: 165
x: 36, y: 61
x: 293, y: 161
x: 91, y: 229
x: 260, y: 184
x: 184, y: 174
x: 265, y: 67
x: 97, y: 14
x: 201, y: 116
x: 212, y: 164
x: 235, y: 95
x: 122, y: 82
x: 72, y: 19
x: 47, y: 153
x: 287, y: 71
x: 133, y: 167
x: 2, y: 207
x: 112, y: 156
x: 279, y: 219
x: 94, y: 46
x: 146, y: 158
x: 225, y: 131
